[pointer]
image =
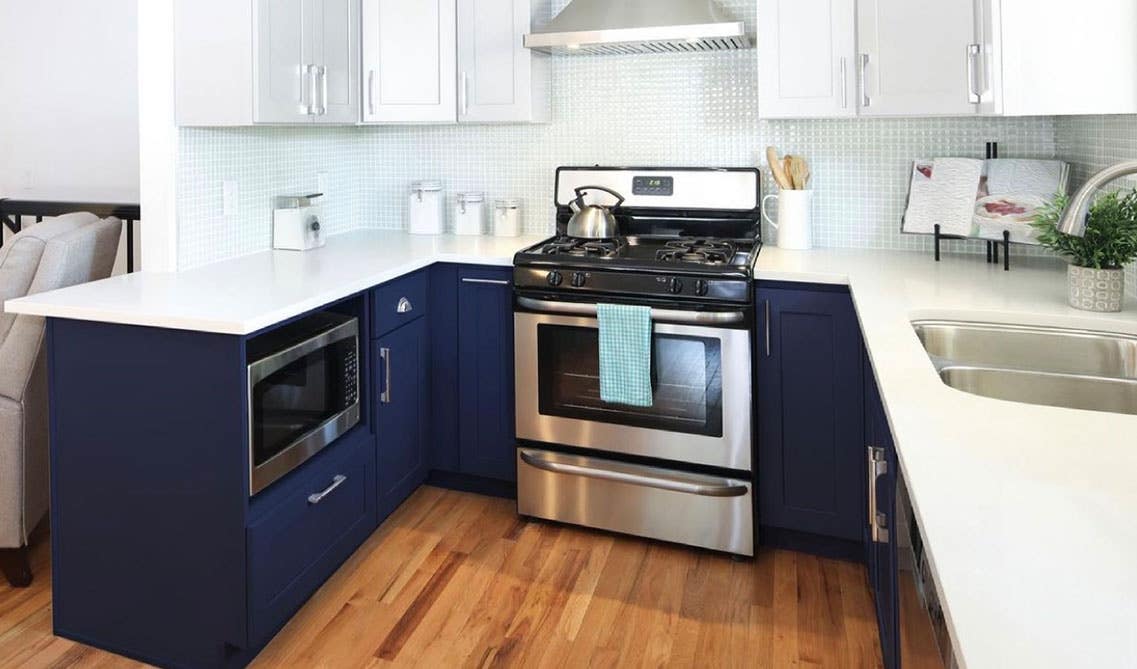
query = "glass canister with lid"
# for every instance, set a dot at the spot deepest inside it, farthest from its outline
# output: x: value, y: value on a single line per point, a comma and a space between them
x: 507, y: 217
x: 470, y: 214
x: 425, y: 210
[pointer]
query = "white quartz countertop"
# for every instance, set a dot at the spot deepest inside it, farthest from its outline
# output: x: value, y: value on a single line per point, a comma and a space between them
x: 249, y: 293
x: 1029, y: 512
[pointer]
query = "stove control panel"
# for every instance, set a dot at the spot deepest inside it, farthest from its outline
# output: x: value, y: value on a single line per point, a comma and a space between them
x: 632, y: 284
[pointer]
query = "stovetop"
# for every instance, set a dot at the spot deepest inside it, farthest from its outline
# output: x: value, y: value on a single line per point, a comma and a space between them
x: 695, y: 268
x: 665, y: 252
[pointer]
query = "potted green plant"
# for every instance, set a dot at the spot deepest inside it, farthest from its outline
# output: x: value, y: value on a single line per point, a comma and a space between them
x: 1096, y: 275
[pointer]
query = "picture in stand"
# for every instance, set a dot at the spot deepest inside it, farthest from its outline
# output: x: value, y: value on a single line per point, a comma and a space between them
x: 981, y: 199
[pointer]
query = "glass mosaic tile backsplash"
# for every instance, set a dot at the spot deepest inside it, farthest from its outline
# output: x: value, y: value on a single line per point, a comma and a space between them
x: 698, y: 109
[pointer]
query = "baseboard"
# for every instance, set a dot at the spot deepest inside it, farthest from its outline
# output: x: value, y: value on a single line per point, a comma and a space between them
x: 471, y: 483
x: 814, y: 544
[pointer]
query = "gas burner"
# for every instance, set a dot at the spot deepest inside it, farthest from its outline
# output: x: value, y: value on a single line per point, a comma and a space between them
x: 580, y: 248
x: 706, y: 251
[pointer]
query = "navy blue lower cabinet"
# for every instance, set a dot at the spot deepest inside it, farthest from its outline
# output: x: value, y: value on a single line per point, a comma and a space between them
x: 486, y: 446
x: 402, y: 409
x: 881, y: 533
x: 810, y: 407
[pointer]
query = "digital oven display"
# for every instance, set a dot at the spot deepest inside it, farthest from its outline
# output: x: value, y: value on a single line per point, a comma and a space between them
x: 657, y: 186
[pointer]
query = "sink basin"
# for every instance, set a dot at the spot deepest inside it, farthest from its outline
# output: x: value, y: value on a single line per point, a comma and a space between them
x: 1076, y: 369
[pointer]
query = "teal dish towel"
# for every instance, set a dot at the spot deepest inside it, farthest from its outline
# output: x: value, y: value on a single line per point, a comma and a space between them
x: 625, y: 354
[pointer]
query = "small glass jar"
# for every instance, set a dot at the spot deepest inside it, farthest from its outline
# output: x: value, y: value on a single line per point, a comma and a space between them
x: 507, y: 217
x: 425, y: 209
x: 470, y: 214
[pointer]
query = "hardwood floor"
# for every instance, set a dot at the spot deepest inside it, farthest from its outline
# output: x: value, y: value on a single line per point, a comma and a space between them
x: 454, y: 579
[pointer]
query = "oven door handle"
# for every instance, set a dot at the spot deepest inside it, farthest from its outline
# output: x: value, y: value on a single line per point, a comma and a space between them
x: 671, y: 482
x: 662, y: 315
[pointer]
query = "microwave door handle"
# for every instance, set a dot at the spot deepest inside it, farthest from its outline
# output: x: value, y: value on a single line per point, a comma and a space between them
x: 661, y: 315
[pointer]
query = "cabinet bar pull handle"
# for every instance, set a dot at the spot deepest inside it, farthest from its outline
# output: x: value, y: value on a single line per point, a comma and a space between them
x: 371, y: 92
x: 313, y: 84
x: 878, y: 522
x: 844, y: 83
x: 767, y: 328
x: 385, y: 356
x: 323, y: 90
x: 973, y: 92
x: 866, y: 101
x: 492, y: 282
x: 317, y: 497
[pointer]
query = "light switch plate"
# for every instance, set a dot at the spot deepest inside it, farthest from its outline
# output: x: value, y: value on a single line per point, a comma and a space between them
x: 228, y: 198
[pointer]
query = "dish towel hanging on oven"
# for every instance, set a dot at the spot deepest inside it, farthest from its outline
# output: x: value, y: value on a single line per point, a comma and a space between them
x: 625, y: 354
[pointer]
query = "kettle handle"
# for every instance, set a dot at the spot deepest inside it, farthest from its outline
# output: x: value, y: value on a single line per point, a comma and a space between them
x: 580, y: 194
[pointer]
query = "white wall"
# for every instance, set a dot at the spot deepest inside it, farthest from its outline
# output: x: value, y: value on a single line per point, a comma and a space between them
x: 69, y: 115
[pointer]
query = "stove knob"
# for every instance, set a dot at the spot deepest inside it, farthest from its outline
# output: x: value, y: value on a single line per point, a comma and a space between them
x: 555, y: 279
x: 701, y: 288
x: 578, y: 279
x: 675, y: 286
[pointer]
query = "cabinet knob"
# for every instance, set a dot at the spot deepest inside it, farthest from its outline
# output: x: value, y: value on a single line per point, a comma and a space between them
x: 405, y: 306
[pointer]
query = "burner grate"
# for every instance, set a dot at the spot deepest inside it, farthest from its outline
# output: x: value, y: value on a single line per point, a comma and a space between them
x: 706, y: 251
x: 593, y: 248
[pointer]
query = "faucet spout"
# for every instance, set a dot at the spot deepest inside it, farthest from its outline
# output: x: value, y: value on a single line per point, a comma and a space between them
x: 1074, y: 218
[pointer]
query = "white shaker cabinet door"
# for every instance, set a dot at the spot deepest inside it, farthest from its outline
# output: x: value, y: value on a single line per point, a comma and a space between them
x: 806, y: 53
x: 409, y: 61
x: 336, y: 35
x: 285, y: 79
x: 918, y: 57
x: 499, y: 80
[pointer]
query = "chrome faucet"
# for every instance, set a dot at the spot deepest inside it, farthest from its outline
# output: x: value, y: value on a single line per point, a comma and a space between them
x: 1074, y: 218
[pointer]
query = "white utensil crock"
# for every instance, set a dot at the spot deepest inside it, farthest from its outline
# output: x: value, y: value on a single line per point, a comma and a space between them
x: 795, y: 214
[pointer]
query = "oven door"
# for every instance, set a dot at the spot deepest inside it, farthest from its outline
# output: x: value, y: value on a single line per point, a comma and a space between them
x: 701, y: 386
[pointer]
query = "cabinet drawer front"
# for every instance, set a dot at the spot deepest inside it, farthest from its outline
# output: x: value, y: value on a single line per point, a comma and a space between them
x: 399, y: 302
x: 306, y: 525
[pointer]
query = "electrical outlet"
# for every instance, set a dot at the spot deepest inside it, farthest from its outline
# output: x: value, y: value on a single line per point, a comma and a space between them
x: 228, y: 198
x: 27, y: 180
x: 323, y: 183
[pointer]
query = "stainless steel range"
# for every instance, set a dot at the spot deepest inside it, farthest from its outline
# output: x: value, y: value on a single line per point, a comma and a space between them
x: 681, y: 469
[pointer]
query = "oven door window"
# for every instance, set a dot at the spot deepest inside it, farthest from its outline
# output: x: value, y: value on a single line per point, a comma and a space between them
x: 298, y: 398
x: 686, y: 381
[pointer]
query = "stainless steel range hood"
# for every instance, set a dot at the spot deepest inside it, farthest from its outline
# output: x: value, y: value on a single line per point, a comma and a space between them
x: 639, y: 26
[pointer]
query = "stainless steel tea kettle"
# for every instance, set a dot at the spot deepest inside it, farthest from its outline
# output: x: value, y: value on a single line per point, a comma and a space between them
x: 593, y: 221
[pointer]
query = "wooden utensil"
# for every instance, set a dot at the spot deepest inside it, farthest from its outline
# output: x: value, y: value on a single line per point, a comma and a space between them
x: 777, y: 169
x: 799, y: 172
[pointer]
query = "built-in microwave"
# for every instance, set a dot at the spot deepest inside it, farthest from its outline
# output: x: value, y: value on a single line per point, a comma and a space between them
x: 303, y: 383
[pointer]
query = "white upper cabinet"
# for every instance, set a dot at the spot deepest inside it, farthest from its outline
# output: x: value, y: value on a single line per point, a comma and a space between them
x: 266, y: 61
x: 337, y: 33
x: 1066, y: 59
x: 918, y: 57
x: 946, y: 58
x: 499, y: 80
x: 807, y: 50
x: 410, y: 61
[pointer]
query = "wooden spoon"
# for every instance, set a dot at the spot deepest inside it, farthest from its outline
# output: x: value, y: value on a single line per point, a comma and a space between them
x: 777, y: 170
x: 799, y: 172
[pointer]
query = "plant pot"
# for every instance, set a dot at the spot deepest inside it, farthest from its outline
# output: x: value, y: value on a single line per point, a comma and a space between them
x: 1096, y: 289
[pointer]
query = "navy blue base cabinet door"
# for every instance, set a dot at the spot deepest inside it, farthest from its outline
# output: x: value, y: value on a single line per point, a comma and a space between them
x: 880, y: 540
x: 485, y: 373
x: 810, y: 411
x: 402, y: 407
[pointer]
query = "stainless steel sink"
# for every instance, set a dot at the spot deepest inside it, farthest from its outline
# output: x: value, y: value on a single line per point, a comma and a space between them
x: 1077, y: 369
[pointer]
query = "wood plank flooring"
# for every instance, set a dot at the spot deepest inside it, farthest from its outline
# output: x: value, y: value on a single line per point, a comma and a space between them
x: 458, y: 580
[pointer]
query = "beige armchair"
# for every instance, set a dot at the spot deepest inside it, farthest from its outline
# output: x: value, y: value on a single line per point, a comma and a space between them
x: 54, y: 254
